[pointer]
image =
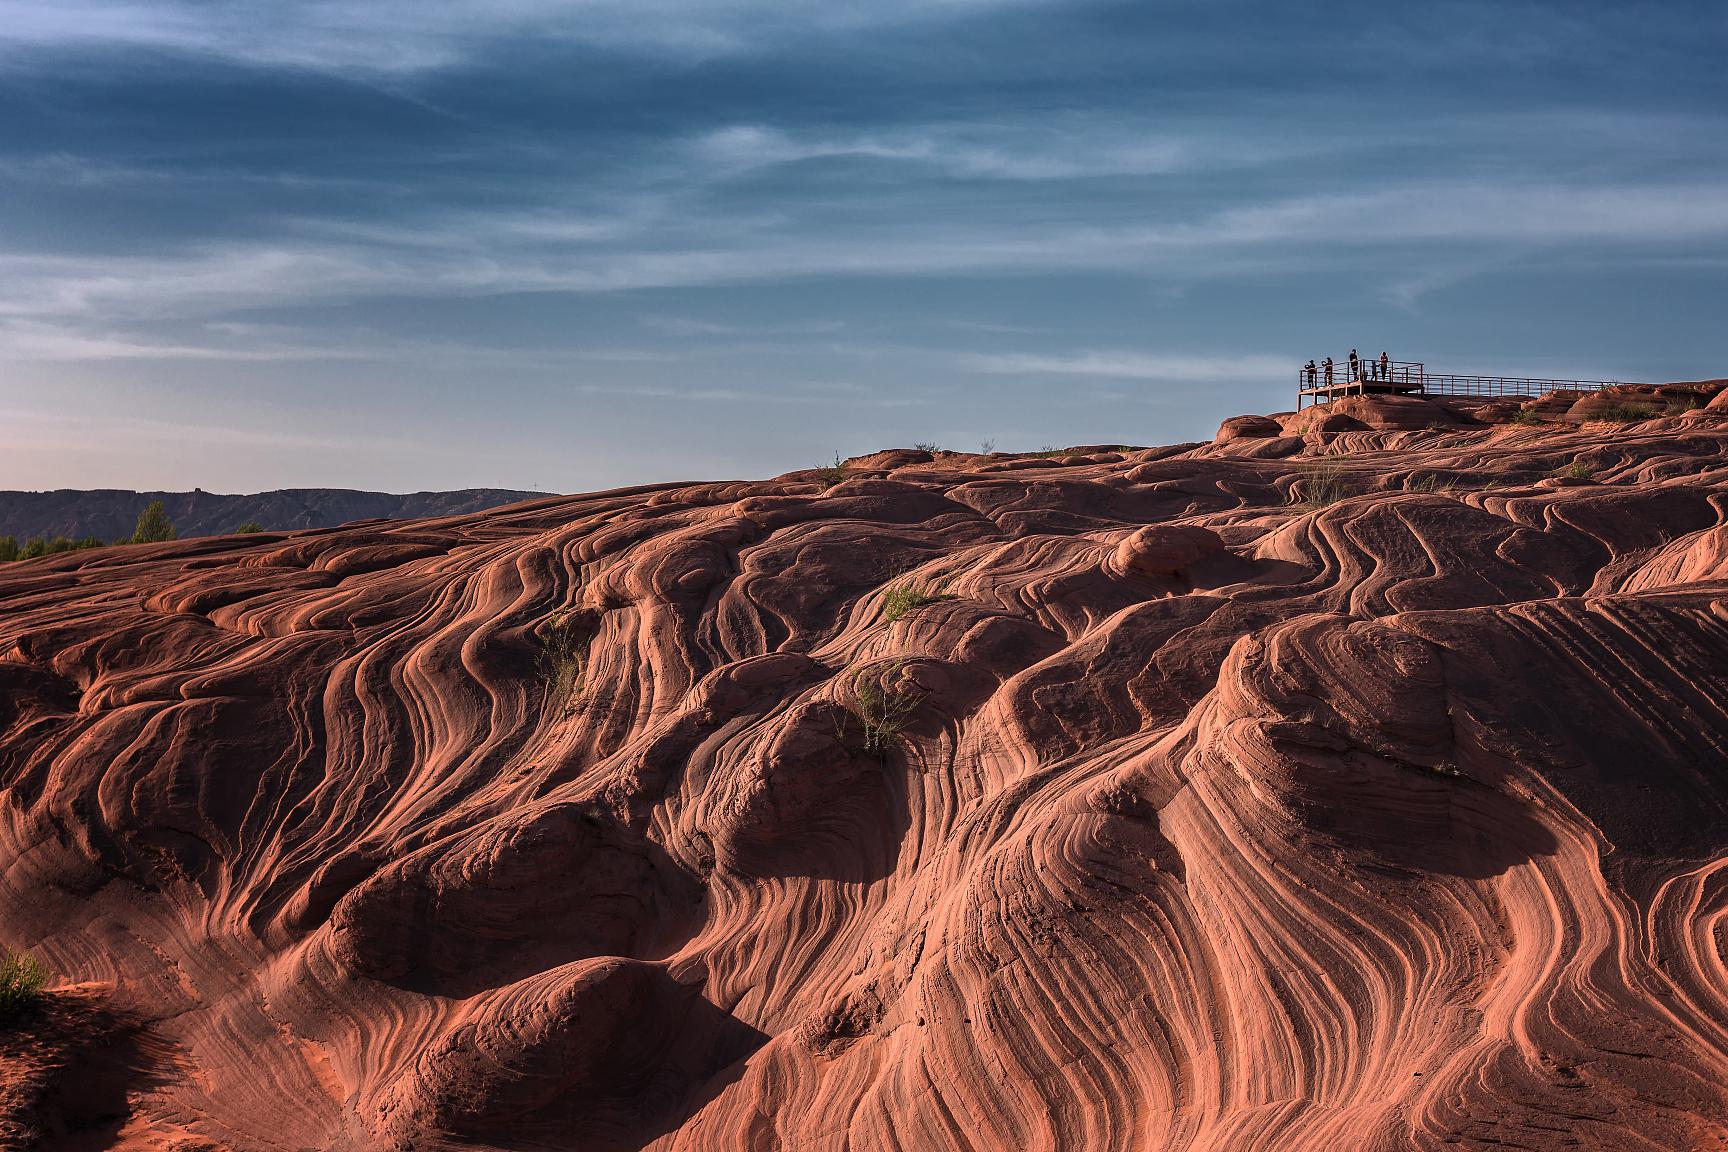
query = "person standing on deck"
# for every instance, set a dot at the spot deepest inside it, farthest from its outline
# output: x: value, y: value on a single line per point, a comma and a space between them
x: 1328, y: 366
x: 1355, y: 367
x: 1385, y: 367
x: 1308, y: 371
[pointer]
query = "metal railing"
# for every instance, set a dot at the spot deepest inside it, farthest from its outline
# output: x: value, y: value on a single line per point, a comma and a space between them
x: 1519, y: 386
x: 1342, y: 379
x: 1411, y: 376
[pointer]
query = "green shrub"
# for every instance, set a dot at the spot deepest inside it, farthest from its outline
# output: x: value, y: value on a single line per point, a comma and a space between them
x: 1527, y: 416
x: 1577, y: 470
x: 8, y: 549
x: 927, y: 447
x: 882, y: 713
x: 22, y: 979
x: 45, y: 546
x: 829, y: 475
x: 248, y: 528
x: 153, y: 525
x: 898, y: 601
x: 562, y: 662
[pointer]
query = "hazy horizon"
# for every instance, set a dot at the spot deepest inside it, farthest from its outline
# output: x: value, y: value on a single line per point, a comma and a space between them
x: 567, y: 246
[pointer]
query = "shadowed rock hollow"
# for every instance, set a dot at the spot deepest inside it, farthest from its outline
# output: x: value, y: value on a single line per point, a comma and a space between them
x: 1357, y: 780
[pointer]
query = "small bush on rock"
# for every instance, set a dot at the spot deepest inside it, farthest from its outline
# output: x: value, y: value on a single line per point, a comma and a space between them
x: 829, y: 475
x: 882, y: 713
x: 22, y: 978
x: 905, y: 598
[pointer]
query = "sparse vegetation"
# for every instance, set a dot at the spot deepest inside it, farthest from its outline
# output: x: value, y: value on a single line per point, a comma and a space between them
x: 22, y: 978
x: 905, y: 598
x: 882, y: 713
x: 829, y: 475
x: 1427, y: 484
x: 248, y: 528
x: 1577, y: 470
x: 1624, y: 413
x: 153, y: 525
x: 36, y: 546
x: 927, y: 447
x: 1527, y: 416
x: 1323, y: 484
x: 986, y: 447
x: 562, y: 662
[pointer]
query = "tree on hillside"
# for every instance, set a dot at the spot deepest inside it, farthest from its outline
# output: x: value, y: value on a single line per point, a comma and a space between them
x: 153, y: 525
x: 8, y: 548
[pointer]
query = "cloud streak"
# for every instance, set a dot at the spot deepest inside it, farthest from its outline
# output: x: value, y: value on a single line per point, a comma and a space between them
x: 1130, y: 366
x: 477, y: 256
x: 396, y: 36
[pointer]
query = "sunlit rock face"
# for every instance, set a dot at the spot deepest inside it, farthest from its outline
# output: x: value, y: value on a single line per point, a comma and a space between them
x: 1356, y: 781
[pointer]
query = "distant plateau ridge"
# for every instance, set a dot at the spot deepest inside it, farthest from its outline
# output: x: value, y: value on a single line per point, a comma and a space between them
x: 111, y: 513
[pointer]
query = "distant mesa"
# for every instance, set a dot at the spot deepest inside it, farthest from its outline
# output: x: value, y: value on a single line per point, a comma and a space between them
x: 111, y: 514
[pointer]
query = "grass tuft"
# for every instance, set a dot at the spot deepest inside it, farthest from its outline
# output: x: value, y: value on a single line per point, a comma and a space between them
x: 1577, y: 470
x: 1624, y: 413
x: 1427, y: 484
x: 22, y: 978
x: 562, y: 662
x: 898, y: 601
x: 1323, y: 484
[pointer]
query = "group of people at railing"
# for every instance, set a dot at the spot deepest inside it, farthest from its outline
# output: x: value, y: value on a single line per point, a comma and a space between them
x: 1361, y: 370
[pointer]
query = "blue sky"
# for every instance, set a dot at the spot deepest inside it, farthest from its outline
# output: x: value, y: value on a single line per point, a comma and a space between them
x: 567, y: 245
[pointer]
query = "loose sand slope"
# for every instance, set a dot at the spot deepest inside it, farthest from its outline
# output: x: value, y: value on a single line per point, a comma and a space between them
x: 1367, y: 789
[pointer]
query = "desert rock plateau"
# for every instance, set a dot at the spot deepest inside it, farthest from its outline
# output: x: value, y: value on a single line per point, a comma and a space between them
x: 1356, y: 780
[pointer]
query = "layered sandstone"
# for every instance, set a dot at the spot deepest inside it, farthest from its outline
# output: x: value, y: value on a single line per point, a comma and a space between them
x: 1359, y: 780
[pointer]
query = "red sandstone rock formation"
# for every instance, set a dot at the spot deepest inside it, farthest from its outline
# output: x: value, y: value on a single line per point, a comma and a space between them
x: 1353, y: 787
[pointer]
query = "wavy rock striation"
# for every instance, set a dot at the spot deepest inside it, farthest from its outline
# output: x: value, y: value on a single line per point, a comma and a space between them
x: 1358, y: 780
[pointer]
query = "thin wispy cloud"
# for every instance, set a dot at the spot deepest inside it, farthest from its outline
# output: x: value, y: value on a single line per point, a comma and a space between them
x: 482, y: 257
x: 687, y: 326
x: 1129, y: 366
x: 393, y: 35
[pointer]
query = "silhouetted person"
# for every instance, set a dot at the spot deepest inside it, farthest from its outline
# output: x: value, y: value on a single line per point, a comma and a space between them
x: 1385, y: 367
x: 1328, y: 366
x: 1309, y: 371
x: 1355, y: 366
